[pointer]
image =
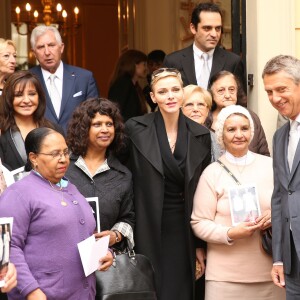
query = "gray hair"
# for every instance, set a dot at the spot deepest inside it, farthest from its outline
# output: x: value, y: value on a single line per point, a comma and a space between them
x: 41, y: 30
x: 287, y: 63
x: 224, y: 114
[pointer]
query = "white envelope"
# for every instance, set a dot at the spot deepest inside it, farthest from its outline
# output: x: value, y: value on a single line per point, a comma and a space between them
x: 91, y: 251
x: 77, y: 94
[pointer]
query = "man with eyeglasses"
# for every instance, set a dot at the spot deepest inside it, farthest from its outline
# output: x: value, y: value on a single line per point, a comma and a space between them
x: 204, y: 58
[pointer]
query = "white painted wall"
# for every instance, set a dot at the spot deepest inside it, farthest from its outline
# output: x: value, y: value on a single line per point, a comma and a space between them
x: 270, y: 31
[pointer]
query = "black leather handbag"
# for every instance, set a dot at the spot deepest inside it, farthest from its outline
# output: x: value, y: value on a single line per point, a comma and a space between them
x: 130, y: 277
x: 266, y: 241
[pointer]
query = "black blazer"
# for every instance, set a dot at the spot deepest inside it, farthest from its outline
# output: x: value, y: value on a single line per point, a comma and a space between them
x: 148, y: 183
x: 9, y: 154
x: 183, y: 60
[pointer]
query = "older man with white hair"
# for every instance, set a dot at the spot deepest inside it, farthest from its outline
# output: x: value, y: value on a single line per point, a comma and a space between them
x: 65, y: 86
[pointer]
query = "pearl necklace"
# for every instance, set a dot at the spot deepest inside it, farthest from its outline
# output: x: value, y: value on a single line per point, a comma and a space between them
x: 62, y: 201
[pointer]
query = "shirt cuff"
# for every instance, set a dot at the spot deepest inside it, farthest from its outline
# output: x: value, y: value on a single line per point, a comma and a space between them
x: 126, y: 230
x: 278, y: 263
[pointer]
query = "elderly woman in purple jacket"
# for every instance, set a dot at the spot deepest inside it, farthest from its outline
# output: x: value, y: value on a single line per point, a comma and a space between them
x: 50, y: 218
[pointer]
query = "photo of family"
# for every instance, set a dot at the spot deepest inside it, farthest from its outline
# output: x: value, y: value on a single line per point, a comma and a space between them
x: 244, y: 205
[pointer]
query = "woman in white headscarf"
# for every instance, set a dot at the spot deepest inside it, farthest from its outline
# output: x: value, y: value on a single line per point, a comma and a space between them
x: 236, y: 263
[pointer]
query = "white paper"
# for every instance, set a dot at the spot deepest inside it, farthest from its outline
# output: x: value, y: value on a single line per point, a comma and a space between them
x: 5, y: 237
x: 91, y: 251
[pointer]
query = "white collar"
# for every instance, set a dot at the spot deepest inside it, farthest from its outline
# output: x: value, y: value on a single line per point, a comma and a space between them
x: 199, y: 52
x: 80, y: 163
x: 59, y: 72
x: 247, y: 159
x: 297, y: 119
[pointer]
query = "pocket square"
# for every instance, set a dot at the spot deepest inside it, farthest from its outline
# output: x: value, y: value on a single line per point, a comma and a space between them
x: 77, y: 94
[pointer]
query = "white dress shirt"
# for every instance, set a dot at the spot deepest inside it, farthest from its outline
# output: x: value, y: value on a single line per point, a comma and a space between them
x: 199, y: 62
x: 58, y: 80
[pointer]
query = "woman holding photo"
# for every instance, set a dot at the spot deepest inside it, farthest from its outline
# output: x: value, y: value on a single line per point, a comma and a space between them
x: 236, y: 263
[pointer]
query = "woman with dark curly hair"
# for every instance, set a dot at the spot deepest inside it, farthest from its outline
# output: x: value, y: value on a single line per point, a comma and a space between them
x: 23, y: 107
x: 95, y: 135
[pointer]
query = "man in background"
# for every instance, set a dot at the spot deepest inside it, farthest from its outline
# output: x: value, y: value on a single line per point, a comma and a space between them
x: 65, y: 86
x: 204, y: 58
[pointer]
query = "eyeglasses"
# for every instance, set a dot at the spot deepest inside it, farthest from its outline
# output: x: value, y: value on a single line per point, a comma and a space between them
x: 191, y: 106
x: 162, y: 70
x: 221, y: 91
x: 58, y: 154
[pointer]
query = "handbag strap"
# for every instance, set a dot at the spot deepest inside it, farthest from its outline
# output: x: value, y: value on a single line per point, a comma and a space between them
x: 228, y: 171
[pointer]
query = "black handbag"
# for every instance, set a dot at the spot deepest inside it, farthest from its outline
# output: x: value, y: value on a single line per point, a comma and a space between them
x: 130, y: 277
x: 266, y: 241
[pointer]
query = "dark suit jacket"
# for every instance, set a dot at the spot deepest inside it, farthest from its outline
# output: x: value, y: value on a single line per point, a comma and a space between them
x: 148, y: 184
x: 183, y: 60
x: 285, y: 199
x: 78, y: 85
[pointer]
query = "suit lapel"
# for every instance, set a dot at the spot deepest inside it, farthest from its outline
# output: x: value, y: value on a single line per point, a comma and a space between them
x: 196, y: 151
x: 281, y: 144
x: 68, y: 86
x: 146, y: 142
x: 218, y: 61
x: 296, y: 161
x: 188, y: 65
x: 13, y: 147
x: 48, y: 99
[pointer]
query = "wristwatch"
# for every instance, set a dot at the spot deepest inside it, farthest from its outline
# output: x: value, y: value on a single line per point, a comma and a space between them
x: 117, y: 237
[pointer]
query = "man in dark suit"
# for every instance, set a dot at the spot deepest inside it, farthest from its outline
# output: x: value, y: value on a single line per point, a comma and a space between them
x: 281, y: 77
x: 206, y: 26
x: 65, y: 86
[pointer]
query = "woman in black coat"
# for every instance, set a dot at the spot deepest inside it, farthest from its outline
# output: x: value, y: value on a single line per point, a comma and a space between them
x: 168, y: 153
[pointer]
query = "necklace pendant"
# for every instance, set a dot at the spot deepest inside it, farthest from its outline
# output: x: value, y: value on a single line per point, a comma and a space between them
x: 63, y: 203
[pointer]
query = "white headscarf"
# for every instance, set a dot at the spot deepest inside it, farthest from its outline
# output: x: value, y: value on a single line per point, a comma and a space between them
x: 222, y: 117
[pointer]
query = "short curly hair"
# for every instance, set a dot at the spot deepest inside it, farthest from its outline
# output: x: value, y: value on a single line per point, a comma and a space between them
x: 80, y: 124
